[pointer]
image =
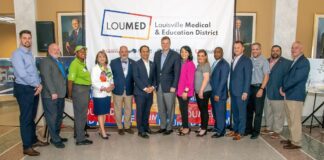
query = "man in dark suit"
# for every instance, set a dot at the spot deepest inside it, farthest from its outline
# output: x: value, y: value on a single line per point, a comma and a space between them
x: 53, y: 77
x: 218, y: 82
x: 294, y: 91
x: 274, y: 110
x: 75, y: 38
x: 167, y: 71
x: 240, y: 80
x: 143, y: 74
x: 122, y: 69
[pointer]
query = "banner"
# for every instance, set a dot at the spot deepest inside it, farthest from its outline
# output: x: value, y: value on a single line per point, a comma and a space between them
x: 110, y: 24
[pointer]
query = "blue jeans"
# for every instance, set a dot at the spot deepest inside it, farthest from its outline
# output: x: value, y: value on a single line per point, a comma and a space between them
x: 28, y: 104
x: 53, y: 111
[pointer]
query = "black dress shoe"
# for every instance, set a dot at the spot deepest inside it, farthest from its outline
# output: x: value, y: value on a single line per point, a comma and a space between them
x: 64, y: 139
x: 40, y: 144
x: 167, y: 132
x: 143, y: 135
x: 149, y: 131
x: 217, y: 135
x: 57, y: 144
x: 84, y: 142
x: 161, y: 131
x: 31, y: 152
x: 254, y: 136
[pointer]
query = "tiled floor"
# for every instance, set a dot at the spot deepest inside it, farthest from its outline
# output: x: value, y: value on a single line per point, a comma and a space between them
x: 157, y: 147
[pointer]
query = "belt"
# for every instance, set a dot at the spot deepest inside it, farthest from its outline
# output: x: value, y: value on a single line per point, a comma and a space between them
x: 256, y: 85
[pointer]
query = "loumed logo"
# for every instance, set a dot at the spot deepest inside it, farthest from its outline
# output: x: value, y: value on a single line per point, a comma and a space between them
x: 126, y: 25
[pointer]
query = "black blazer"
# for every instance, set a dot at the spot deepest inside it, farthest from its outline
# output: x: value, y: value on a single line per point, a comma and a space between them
x: 168, y: 76
x: 141, y: 78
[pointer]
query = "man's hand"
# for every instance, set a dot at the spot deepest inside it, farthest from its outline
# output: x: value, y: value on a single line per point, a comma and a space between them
x: 216, y: 98
x: 172, y: 89
x: 54, y: 96
x: 110, y: 88
x: 38, y: 89
x: 259, y: 93
x: 244, y: 96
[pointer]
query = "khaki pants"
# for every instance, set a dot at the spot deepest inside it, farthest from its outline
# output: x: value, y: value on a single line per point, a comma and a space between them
x: 294, y: 111
x: 274, y: 111
x: 121, y: 102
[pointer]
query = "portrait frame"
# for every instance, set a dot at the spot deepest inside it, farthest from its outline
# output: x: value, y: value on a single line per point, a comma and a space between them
x: 64, y: 30
x: 248, y: 25
x: 318, y: 37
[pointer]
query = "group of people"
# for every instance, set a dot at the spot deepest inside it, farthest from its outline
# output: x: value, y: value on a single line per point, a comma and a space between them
x: 252, y: 81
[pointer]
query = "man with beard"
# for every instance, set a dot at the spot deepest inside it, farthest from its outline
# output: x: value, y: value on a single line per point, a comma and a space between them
x: 274, y: 110
x: 27, y: 87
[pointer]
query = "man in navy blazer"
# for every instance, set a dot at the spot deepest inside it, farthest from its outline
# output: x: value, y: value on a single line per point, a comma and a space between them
x: 167, y: 71
x: 240, y: 80
x: 274, y: 110
x: 143, y: 74
x: 294, y: 91
x: 123, y: 92
x: 218, y: 82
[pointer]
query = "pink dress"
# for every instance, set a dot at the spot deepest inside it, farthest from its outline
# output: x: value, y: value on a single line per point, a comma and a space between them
x: 186, y: 79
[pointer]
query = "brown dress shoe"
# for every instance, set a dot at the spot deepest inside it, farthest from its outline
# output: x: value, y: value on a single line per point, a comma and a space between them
x: 237, y: 137
x: 291, y: 146
x: 285, y: 142
x: 31, y: 152
x: 40, y: 144
x: 129, y: 130
x: 121, y: 131
x: 231, y: 134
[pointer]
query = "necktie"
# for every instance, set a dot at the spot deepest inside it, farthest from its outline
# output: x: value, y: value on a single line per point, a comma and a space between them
x: 213, y: 66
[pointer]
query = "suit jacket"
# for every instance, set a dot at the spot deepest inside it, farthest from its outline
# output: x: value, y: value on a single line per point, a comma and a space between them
x: 277, y: 74
x: 53, y: 80
x: 241, y: 76
x: 294, y: 84
x: 79, y: 40
x: 219, y: 79
x: 141, y: 78
x: 168, y: 76
x: 121, y: 82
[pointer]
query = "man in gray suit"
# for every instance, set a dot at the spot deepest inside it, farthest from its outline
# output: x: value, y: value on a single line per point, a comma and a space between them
x: 53, y: 78
x: 167, y: 71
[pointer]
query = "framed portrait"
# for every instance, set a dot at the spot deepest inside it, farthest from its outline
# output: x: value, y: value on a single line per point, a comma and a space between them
x: 318, y: 37
x: 245, y: 25
x: 71, y: 33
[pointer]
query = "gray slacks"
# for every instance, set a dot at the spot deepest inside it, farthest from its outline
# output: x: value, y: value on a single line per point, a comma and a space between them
x: 166, y: 106
x: 80, y: 98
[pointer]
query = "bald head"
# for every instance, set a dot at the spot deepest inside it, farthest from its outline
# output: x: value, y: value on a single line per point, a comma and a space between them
x: 296, y: 49
x: 54, y: 50
x: 123, y: 52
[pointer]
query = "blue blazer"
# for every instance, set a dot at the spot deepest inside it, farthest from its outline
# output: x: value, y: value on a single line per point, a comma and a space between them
x: 277, y: 74
x: 241, y: 76
x: 219, y: 78
x: 122, y: 83
x: 168, y: 76
x: 79, y: 40
x: 141, y: 78
x: 294, y: 84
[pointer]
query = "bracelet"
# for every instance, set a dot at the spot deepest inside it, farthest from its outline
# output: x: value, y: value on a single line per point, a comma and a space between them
x: 261, y: 88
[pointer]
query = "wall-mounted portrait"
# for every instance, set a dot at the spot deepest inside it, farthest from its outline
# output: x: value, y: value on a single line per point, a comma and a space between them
x: 71, y: 33
x: 245, y: 24
x: 318, y: 37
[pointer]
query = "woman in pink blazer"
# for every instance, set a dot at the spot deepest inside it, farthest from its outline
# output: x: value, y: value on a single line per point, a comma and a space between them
x: 185, y: 88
